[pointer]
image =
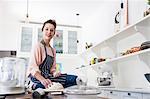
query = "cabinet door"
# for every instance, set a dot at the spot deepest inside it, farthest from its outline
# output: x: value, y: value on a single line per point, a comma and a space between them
x: 58, y: 41
x: 26, y: 39
x: 114, y: 95
x: 103, y: 94
x: 129, y: 95
x: 72, y: 42
x: 65, y: 40
x: 146, y: 96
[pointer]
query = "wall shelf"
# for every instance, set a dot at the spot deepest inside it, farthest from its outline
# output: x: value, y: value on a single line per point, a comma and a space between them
x: 118, y: 59
x: 122, y: 66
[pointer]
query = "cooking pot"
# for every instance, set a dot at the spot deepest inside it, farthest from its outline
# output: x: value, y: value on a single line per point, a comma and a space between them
x: 12, y: 75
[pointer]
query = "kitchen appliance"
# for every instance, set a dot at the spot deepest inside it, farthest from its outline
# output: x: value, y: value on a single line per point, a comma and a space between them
x: 12, y: 75
x: 147, y: 76
x: 105, y: 79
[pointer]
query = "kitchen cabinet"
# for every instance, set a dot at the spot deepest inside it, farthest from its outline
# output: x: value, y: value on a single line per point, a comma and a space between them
x: 122, y: 94
x: 146, y: 96
x: 122, y: 65
x: 27, y: 38
x: 103, y: 94
x: 113, y: 95
x: 65, y: 41
x: 130, y: 95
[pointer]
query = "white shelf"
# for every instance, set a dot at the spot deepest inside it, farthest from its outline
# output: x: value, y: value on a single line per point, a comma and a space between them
x: 117, y: 59
x: 130, y: 30
x: 127, y: 56
x: 98, y: 67
x: 122, y: 34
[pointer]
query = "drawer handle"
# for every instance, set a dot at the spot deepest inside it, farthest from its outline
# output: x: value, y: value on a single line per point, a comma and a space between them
x: 129, y: 94
x: 111, y: 92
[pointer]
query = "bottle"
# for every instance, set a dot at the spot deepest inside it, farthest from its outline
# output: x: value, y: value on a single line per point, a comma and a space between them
x: 122, y: 16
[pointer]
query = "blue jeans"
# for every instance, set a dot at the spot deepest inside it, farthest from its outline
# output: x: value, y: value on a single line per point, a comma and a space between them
x: 70, y: 81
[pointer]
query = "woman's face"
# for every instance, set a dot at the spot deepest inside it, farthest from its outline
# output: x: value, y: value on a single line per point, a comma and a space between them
x: 48, y: 31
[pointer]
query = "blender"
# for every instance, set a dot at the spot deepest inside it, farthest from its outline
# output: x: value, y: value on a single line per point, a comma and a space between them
x: 12, y: 75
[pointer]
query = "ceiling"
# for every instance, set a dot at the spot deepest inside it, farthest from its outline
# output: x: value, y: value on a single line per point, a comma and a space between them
x: 62, y: 10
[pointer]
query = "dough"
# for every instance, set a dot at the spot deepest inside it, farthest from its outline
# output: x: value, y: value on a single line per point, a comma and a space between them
x: 55, y: 86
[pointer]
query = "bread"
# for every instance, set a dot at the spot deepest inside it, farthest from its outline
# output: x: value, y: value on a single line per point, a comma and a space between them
x: 55, y: 86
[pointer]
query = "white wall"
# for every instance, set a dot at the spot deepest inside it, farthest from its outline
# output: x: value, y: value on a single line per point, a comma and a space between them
x: 0, y: 19
x: 136, y: 9
x: 69, y: 63
x: 8, y: 28
x: 100, y: 25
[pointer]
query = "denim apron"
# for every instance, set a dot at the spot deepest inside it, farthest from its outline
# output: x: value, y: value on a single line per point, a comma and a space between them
x: 65, y: 79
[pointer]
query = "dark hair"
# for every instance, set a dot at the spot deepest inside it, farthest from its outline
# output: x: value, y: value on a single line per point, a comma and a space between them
x: 51, y: 22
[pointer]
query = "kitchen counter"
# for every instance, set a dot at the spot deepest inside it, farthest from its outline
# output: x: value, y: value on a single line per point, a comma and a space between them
x: 67, y: 96
x: 29, y: 96
x: 136, y: 90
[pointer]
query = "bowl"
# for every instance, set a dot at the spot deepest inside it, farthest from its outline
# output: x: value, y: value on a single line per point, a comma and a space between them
x: 147, y: 76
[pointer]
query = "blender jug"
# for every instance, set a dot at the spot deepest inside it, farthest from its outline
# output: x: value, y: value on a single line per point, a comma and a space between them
x: 12, y: 75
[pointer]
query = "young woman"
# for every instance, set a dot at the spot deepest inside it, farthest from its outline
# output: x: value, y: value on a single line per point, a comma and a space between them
x: 42, y: 65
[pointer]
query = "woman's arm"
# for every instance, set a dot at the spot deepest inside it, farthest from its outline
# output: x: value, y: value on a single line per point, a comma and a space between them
x: 35, y: 60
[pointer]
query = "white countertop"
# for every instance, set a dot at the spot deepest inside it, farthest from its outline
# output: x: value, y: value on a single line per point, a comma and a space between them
x: 136, y: 90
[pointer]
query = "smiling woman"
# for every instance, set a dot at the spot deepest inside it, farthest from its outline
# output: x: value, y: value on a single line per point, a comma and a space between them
x: 42, y: 70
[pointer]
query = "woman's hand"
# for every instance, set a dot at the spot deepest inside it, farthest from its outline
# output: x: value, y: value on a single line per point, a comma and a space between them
x: 56, y: 73
x: 46, y: 82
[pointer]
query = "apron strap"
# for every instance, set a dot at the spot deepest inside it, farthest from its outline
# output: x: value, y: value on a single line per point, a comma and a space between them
x: 42, y: 41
